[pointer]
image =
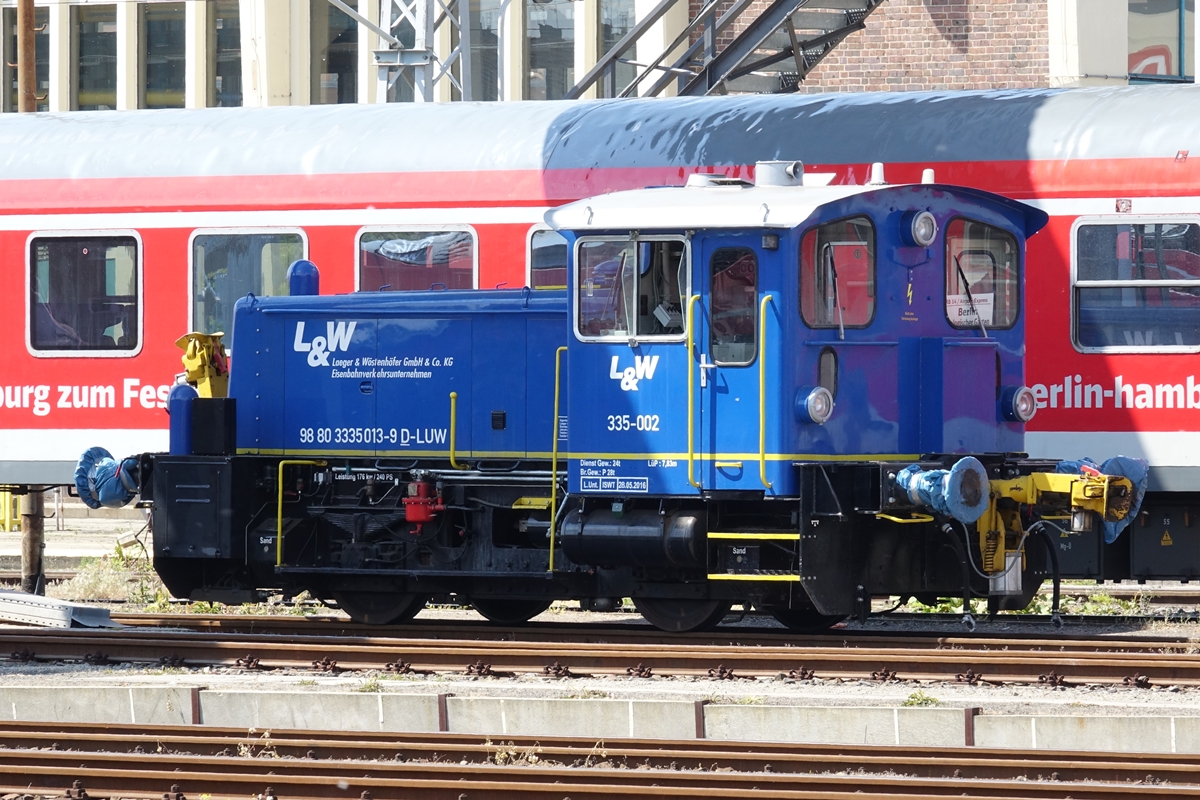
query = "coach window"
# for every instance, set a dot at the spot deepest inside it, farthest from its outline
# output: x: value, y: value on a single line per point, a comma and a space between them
x: 631, y: 288
x: 547, y: 260
x: 407, y: 261
x: 227, y: 266
x: 837, y: 274
x: 983, y: 276
x: 1137, y: 286
x: 84, y: 294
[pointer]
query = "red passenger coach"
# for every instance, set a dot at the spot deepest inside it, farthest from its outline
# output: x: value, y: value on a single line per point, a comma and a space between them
x: 123, y: 230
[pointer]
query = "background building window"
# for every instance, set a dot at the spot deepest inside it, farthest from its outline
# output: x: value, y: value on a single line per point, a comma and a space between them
x: 616, y: 19
x: 226, y: 267
x: 1162, y: 41
x: 334, y: 54
x: 41, y: 47
x: 162, y: 55
x: 225, y: 54
x: 485, y: 49
x: 94, y: 62
x: 83, y: 293
x: 550, y: 32
x: 405, y: 261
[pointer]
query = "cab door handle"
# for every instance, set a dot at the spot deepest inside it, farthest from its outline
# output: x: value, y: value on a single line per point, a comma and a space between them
x: 704, y: 367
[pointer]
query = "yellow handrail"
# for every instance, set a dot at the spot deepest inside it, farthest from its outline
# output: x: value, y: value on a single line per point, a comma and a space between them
x: 554, y: 454
x: 762, y: 392
x: 454, y: 431
x: 691, y: 415
x: 279, y: 505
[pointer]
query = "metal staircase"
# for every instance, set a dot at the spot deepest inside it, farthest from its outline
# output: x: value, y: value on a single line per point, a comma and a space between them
x: 770, y: 52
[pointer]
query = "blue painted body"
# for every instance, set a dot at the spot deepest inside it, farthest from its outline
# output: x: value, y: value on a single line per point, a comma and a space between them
x: 909, y: 383
x: 371, y: 374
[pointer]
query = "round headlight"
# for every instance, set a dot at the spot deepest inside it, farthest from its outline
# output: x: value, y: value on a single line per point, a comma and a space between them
x: 1019, y: 404
x: 924, y: 229
x: 814, y: 405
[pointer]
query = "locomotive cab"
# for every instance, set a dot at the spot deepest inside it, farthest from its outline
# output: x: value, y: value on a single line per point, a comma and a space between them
x: 723, y: 333
x: 750, y: 365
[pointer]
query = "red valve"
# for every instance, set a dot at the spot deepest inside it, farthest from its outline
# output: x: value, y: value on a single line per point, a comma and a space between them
x: 421, y: 505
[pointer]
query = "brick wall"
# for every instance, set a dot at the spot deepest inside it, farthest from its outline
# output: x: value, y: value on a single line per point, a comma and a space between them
x: 913, y: 45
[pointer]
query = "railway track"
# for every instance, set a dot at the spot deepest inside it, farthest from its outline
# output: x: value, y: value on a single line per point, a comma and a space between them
x: 1140, y: 662
x: 296, y: 765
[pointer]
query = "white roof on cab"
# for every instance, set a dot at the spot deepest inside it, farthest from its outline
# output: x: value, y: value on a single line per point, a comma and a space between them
x: 708, y: 201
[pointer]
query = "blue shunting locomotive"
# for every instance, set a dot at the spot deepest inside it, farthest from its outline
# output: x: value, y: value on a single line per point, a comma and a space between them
x: 718, y: 409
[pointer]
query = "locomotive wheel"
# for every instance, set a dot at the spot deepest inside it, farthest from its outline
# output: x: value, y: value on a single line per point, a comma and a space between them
x: 803, y: 620
x: 681, y: 616
x: 510, y: 610
x: 380, y: 608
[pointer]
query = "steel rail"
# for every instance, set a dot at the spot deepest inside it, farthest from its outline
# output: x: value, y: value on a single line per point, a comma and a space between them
x: 450, y: 655
x: 587, y: 632
x: 968, y: 763
x: 113, y: 773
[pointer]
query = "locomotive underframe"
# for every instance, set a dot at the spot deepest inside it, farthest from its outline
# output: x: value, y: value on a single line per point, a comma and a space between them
x: 347, y: 530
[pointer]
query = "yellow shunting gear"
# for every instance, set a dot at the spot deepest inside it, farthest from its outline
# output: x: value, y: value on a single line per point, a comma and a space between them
x: 205, y: 364
x: 1108, y: 496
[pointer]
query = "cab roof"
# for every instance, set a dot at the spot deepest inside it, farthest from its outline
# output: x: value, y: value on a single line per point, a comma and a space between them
x: 717, y: 202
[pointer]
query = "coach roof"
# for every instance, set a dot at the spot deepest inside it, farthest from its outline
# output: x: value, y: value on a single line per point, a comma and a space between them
x: 671, y: 134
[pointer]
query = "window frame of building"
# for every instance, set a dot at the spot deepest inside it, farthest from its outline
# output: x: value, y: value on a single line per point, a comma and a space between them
x: 404, y: 228
x: 214, y: 54
x: 549, y: 6
x: 145, y: 11
x: 139, y: 267
x: 529, y: 237
x: 1077, y: 284
x: 315, y: 88
x: 75, y: 54
x: 1180, y: 75
x: 238, y: 231
x: 873, y: 278
x: 685, y: 265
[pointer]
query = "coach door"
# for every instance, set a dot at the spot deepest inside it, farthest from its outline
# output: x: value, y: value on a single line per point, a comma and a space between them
x: 726, y: 352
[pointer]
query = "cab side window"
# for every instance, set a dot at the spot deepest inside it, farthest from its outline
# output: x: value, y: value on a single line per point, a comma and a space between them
x: 837, y: 274
x: 734, y: 314
x: 983, y: 275
x: 631, y: 288
x: 1137, y: 286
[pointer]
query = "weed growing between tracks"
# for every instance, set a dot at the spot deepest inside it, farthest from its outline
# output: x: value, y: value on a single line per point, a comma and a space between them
x: 919, y: 699
x: 121, y: 577
x: 1082, y: 605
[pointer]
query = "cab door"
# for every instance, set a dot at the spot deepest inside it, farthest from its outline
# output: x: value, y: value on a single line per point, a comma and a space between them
x: 727, y: 274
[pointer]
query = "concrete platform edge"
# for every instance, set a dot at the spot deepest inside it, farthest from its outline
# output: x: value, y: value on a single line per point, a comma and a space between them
x: 601, y: 718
